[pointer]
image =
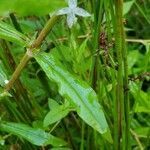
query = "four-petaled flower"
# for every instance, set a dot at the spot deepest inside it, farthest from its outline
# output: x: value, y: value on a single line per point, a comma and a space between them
x: 72, y: 11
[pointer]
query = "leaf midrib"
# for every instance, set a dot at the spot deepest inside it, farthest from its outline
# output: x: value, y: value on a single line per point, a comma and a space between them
x: 70, y: 85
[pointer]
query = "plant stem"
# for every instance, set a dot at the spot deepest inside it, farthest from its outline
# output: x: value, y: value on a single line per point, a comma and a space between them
x: 82, y: 136
x: 17, y: 72
x: 36, y: 44
x: 144, y: 42
x: 119, y: 95
x: 21, y: 93
x: 126, y: 91
x: 48, y: 27
x: 137, y: 139
x: 96, y: 38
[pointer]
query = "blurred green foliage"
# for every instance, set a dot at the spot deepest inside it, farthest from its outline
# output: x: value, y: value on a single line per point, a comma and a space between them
x: 40, y: 104
x: 30, y: 7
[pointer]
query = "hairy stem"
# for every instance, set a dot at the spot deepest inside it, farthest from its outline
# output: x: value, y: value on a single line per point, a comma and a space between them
x: 126, y: 91
x: 120, y: 90
x: 36, y: 44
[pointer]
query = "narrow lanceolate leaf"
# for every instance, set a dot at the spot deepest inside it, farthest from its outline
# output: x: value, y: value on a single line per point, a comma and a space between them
x: 35, y: 136
x: 8, y: 33
x: 75, y: 90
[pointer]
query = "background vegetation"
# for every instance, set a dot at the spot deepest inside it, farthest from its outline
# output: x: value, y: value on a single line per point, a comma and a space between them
x: 85, y: 87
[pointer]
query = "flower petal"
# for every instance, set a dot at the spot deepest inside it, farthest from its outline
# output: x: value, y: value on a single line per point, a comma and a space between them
x: 81, y: 12
x: 71, y: 19
x: 63, y: 11
x: 72, y: 3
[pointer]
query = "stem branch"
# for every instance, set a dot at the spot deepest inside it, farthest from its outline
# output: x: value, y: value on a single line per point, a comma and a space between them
x: 36, y: 44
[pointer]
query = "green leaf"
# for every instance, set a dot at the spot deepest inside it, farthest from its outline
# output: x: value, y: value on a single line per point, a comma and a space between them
x: 56, y: 114
x: 52, y: 104
x: 81, y: 51
x: 142, y: 131
x: 36, y: 136
x: 42, y: 7
x: 142, y: 99
x: 133, y: 58
x: 7, y: 32
x: 75, y: 90
x: 3, y: 76
x: 127, y: 6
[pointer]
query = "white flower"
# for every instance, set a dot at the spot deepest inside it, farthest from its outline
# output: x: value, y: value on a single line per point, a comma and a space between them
x: 72, y: 11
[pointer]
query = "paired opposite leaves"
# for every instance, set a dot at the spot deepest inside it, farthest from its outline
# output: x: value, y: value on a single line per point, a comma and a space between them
x: 8, y: 33
x: 35, y: 136
x: 78, y: 92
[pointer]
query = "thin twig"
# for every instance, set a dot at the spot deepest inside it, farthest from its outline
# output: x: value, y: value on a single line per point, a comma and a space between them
x: 138, y: 41
x: 137, y: 139
x: 88, y: 35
